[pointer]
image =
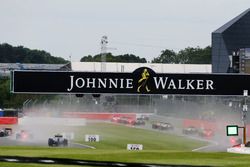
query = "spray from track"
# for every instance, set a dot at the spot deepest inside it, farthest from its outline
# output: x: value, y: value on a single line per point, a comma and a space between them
x: 45, y: 122
x: 48, y: 119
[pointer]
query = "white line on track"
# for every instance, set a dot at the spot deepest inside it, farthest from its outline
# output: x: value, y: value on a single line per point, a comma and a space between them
x: 213, y: 143
x: 47, y: 161
x: 11, y: 160
x: 83, y: 145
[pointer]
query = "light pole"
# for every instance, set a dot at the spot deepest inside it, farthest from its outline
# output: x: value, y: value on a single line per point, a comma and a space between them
x: 104, y: 42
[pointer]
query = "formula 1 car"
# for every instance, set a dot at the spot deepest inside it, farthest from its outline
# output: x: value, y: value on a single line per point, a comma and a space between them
x: 126, y: 120
x: 115, y: 119
x: 139, y: 121
x: 190, y: 130
x: 144, y: 117
x: 235, y: 142
x: 24, y: 135
x: 5, y: 132
x: 162, y: 126
x: 206, y: 133
x: 57, y: 140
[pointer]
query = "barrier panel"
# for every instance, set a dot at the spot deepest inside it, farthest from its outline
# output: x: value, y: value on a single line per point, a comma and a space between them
x: 98, y: 116
x: 217, y: 126
x: 199, y: 124
x: 8, y: 120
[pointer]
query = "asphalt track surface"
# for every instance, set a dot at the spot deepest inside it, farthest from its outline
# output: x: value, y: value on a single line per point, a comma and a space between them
x: 41, y: 139
x: 63, y: 161
x: 213, y: 146
x: 10, y: 141
x: 217, y: 143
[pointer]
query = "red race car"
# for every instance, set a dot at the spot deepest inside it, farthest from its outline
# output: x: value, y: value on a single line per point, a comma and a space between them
x: 24, y: 135
x: 206, y: 133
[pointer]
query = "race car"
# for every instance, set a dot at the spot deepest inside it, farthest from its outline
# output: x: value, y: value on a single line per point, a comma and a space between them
x: 235, y: 142
x: 57, y: 140
x: 144, y: 117
x: 24, y: 135
x: 162, y: 126
x: 115, y: 119
x: 127, y: 120
x: 5, y: 132
x: 139, y: 121
x: 206, y: 133
x: 190, y: 130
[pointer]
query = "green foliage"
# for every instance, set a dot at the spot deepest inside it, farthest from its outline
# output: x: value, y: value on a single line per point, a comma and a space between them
x: 167, y: 56
x: 4, y: 87
x: 127, y: 58
x: 11, y: 54
x: 195, y: 55
x: 187, y: 56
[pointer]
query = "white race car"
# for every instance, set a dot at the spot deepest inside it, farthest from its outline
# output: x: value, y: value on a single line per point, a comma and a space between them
x: 24, y: 135
x: 5, y: 132
x: 57, y: 140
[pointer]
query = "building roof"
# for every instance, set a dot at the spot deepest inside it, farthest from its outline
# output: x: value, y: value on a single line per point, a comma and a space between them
x: 110, y: 67
x: 19, y: 66
x: 231, y: 22
x: 5, y: 68
x: 130, y: 67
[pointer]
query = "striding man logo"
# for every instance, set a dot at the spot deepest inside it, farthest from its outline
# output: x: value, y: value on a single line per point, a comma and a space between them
x: 143, y: 81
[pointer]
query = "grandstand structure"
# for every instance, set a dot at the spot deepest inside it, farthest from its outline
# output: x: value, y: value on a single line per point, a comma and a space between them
x: 130, y: 67
x: 5, y: 68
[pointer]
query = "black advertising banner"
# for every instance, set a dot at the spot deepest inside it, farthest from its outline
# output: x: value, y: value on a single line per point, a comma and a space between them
x: 142, y: 81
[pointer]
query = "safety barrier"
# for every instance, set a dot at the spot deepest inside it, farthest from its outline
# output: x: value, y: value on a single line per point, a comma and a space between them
x: 8, y: 120
x: 98, y: 116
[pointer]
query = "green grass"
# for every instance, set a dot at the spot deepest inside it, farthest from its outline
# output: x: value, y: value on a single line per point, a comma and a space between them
x: 118, y: 136
x: 151, y: 156
x: 159, y: 148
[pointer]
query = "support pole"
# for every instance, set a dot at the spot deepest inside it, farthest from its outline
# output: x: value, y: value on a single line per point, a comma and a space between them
x: 244, y: 115
x: 244, y: 135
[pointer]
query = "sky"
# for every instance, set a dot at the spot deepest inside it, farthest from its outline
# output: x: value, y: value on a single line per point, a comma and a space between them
x: 73, y: 28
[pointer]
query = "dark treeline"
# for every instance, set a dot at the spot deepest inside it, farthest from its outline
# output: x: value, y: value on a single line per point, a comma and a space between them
x: 188, y: 55
x: 9, y: 100
x: 20, y: 54
x: 127, y: 58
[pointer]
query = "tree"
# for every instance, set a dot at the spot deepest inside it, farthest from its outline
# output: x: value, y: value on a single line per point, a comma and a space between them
x: 19, y: 54
x: 111, y: 58
x: 9, y: 100
x: 88, y: 58
x: 186, y: 56
x: 167, y: 56
x: 195, y: 55
x: 4, y: 88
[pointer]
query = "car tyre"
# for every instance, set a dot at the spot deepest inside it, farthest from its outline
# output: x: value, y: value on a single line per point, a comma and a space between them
x: 50, y: 142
